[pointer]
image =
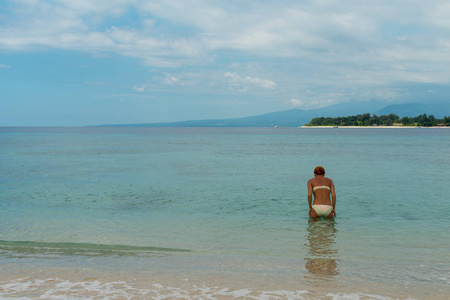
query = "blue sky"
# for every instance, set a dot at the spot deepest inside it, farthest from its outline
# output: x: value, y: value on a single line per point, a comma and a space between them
x: 86, y: 62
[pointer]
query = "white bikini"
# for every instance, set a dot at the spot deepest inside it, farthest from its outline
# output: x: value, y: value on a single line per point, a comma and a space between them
x: 321, y: 187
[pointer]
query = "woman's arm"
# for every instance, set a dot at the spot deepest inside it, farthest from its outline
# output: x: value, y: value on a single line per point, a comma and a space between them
x: 310, y: 191
x: 333, y: 197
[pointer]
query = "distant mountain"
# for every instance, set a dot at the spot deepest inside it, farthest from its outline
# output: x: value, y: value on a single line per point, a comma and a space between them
x: 298, y: 117
x: 439, y: 110
x: 287, y: 118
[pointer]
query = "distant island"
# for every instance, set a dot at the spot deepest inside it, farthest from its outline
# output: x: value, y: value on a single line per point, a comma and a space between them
x: 383, y: 120
x: 299, y: 117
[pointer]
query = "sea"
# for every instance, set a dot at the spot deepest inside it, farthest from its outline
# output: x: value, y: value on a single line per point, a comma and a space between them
x: 221, y: 213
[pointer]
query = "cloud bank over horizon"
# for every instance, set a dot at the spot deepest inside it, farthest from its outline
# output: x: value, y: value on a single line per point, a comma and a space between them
x: 89, y: 62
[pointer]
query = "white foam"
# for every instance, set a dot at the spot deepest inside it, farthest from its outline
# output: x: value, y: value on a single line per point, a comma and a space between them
x: 54, y: 288
x: 17, y: 286
x: 359, y: 296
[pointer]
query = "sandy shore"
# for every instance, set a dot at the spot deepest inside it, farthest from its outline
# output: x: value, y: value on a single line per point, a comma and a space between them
x: 366, y: 127
x: 194, y: 277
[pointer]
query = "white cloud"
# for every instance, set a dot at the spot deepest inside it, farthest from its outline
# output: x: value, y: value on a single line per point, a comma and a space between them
x: 297, y: 103
x: 236, y: 79
x: 275, y: 30
x: 268, y: 84
x: 438, y: 15
x: 138, y: 88
x: 339, y: 44
x: 310, y: 103
x: 171, y: 80
x: 232, y: 76
x: 5, y: 66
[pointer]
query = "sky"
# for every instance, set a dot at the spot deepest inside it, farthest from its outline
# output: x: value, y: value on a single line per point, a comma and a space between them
x: 91, y: 62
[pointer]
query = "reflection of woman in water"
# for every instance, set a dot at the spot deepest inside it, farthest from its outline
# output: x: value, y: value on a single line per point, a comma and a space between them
x: 321, y: 248
x: 322, y: 187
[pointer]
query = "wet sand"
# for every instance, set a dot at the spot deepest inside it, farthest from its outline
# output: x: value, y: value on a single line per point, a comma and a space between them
x: 193, y: 277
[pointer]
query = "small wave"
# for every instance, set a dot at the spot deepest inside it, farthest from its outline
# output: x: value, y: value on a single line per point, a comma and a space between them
x: 29, y: 248
x: 92, y: 288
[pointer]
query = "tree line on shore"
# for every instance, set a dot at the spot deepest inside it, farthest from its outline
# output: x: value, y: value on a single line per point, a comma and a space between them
x: 383, y: 120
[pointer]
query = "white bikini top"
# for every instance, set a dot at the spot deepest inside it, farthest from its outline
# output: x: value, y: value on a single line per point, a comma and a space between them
x: 321, y: 187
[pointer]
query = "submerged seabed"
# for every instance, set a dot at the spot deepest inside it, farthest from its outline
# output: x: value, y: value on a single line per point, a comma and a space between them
x: 134, y: 213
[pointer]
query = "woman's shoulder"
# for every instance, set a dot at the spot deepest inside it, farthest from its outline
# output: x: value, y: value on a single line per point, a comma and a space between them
x: 320, y: 182
x: 328, y: 179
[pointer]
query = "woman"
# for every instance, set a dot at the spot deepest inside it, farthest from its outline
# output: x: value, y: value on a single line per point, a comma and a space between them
x: 322, y: 187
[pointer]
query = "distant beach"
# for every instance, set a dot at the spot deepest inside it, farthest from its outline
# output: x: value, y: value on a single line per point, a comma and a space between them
x: 380, y: 127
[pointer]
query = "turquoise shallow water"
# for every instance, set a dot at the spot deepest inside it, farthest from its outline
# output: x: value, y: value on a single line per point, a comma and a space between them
x: 228, y: 192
